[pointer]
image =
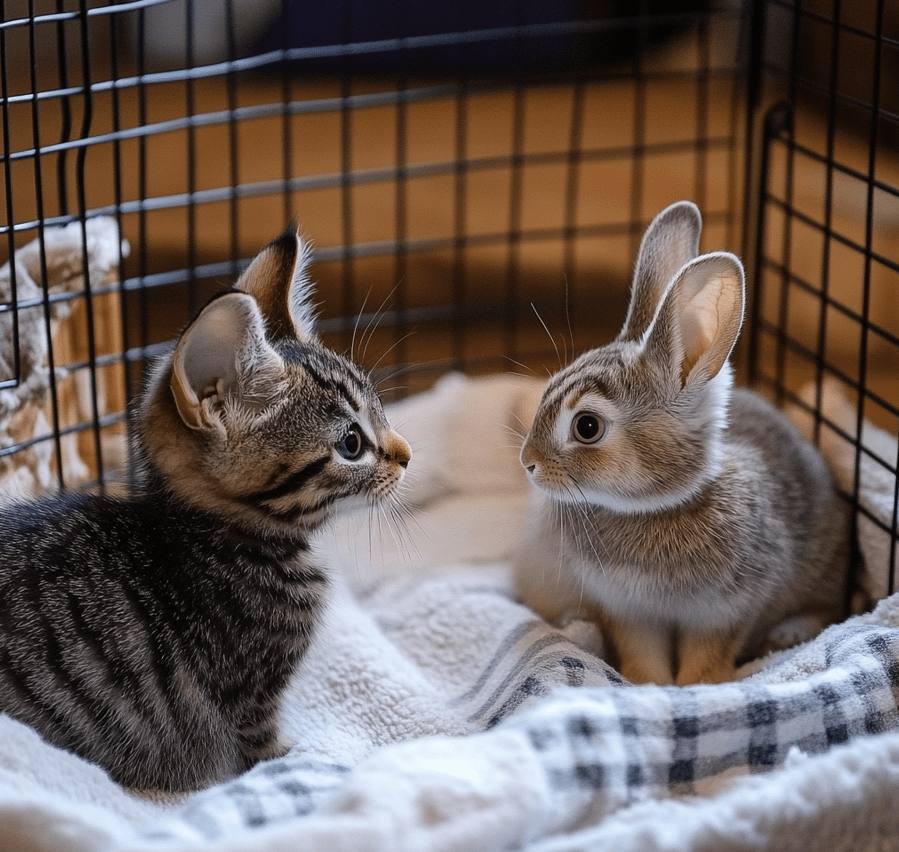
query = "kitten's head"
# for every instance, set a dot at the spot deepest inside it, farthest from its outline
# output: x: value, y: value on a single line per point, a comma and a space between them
x: 253, y: 419
x: 637, y: 425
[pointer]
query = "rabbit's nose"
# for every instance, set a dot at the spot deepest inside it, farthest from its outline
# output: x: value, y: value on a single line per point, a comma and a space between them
x: 529, y: 458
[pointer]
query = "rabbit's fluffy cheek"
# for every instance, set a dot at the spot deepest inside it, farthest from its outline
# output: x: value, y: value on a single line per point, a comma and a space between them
x: 570, y: 474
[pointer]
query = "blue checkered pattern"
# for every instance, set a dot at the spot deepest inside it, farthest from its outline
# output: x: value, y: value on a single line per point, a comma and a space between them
x: 603, y: 743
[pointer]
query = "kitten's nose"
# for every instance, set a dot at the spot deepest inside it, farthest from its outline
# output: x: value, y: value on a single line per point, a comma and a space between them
x: 398, y: 449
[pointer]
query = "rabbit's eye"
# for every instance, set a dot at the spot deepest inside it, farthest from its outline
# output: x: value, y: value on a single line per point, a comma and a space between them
x: 587, y: 428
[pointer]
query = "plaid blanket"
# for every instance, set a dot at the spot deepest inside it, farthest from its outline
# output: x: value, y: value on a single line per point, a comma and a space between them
x: 436, y: 713
x: 591, y: 751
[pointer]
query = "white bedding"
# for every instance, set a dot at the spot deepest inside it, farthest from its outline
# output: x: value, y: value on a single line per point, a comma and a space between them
x: 435, y: 713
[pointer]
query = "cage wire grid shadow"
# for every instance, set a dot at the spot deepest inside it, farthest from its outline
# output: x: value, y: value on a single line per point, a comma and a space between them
x: 475, y: 183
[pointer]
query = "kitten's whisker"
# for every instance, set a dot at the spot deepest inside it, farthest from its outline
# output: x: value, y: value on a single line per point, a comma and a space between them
x: 403, y: 516
x: 371, y: 546
x: 385, y: 516
x: 403, y: 368
x: 412, y: 517
x: 375, y: 321
x: 422, y: 524
x: 356, y: 325
x: 396, y: 343
x: 380, y: 519
x: 355, y: 556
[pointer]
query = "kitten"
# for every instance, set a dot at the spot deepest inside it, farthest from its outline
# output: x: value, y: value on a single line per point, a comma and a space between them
x: 155, y: 634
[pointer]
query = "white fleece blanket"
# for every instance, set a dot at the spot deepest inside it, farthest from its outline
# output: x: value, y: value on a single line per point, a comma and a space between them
x: 435, y: 713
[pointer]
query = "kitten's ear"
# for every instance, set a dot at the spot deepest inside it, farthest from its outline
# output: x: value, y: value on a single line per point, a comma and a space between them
x: 278, y: 279
x: 699, y: 320
x: 670, y: 241
x: 223, y: 353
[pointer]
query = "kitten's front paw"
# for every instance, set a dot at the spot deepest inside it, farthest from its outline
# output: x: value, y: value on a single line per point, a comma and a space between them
x: 277, y: 747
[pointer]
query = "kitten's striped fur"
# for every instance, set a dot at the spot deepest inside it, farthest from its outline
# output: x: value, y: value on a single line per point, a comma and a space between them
x: 155, y: 634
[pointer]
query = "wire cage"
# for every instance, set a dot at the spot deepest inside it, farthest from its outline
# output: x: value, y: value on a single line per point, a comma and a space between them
x: 821, y: 232
x: 475, y: 181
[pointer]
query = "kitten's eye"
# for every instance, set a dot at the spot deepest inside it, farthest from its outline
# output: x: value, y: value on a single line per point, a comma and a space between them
x: 587, y: 428
x: 351, y: 445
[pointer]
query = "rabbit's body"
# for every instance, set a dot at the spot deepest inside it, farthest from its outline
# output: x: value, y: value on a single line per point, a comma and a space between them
x: 702, y: 568
x: 696, y: 518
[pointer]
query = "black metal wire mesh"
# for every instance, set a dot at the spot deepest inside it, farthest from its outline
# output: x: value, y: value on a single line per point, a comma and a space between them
x: 827, y: 310
x: 456, y: 173
x: 475, y: 180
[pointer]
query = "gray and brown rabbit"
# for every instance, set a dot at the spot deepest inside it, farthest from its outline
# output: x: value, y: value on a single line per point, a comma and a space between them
x: 687, y: 518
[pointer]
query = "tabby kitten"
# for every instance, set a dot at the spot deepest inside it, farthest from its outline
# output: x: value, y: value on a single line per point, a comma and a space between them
x: 155, y: 634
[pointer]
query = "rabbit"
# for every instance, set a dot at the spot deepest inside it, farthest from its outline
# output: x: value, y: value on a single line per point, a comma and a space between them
x: 688, y: 519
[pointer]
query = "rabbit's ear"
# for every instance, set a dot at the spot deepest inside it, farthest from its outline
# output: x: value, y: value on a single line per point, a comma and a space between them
x: 278, y: 278
x: 670, y: 241
x: 700, y: 318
